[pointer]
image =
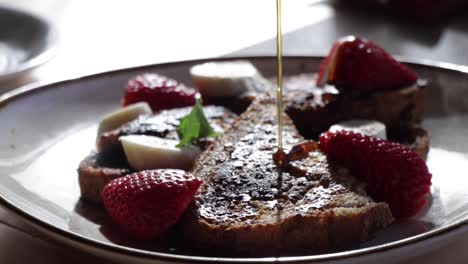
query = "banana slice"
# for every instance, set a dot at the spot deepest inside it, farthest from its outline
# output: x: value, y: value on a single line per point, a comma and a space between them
x: 123, y: 116
x: 225, y: 79
x: 367, y: 127
x: 148, y: 152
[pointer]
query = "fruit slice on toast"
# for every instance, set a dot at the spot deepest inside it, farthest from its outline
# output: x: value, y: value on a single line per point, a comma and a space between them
x: 160, y: 92
x: 232, y: 84
x: 146, y: 204
x: 314, y: 110
x: 359, y: 64
x: 164, y: 125
x: 99, y: 168
x: 393, y: 173
x: 246, y: 206
x: 365, y: 82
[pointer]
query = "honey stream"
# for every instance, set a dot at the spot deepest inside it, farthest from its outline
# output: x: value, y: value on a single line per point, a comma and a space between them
x: 279, y: 53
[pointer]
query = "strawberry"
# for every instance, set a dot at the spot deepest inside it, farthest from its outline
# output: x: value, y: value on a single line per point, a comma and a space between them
x: 159, y: 91
x: 145, y: 204
x: 359, y: 64
x: 394, y: 174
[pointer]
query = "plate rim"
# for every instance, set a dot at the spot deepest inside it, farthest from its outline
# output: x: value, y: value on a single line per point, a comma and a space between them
x: 84, y: 241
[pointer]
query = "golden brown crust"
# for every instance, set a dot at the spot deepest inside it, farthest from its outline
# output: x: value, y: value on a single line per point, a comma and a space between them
x: 93, y: 175
x: 250, y: 210
x: 323, y: 232
x: 414, y: 137
x: 163, y: 124
x: 312, y: 114
x: 422, y: 144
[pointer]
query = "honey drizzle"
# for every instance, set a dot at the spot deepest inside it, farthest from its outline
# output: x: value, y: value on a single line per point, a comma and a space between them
x: 279, y: 53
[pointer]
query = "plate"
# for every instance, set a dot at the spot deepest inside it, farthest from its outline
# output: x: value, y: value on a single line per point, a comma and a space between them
x: 47, y: 130
x: 26, y: 41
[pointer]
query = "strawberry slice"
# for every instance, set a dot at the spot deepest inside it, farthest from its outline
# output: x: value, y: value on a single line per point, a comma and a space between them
x: 394, y: 174
x: 146, y: 204
x: 359, y: 64
x: 327, y: 67
x: 158, y: 91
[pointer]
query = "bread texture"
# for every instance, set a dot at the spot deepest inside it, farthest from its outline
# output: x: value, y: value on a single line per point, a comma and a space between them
x: 164, y: 125
x: 247, y: 207
x: 314, y: 110
x: 96, y: 170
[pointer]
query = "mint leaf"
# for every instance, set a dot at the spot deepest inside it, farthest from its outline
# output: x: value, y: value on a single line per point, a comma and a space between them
x: 194, y: 126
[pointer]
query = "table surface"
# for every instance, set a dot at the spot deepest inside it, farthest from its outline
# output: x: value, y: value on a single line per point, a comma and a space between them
x: 97, y: 36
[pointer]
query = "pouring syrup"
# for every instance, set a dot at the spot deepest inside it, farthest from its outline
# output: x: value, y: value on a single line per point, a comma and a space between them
x: 301, y: 150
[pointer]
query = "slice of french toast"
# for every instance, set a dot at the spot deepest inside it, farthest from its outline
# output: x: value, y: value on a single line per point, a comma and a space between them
x: 163, y: 124
x: 97, y: 169
x: 314, y: 110
x: 246, y: 207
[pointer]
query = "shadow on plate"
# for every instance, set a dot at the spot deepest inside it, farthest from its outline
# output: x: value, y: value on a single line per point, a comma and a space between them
x: 97, y: 215
x: 397, y: 231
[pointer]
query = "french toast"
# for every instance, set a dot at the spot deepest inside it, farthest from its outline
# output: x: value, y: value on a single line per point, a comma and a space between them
x: 247, y: 207
x: 163, y: 124
x: 314, y: 110
x: 414, y: 137
x: 97, y: 169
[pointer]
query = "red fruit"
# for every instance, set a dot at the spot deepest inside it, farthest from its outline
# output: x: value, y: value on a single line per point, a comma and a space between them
x: 146, y: 204
x: 394, y: 174
x: 159, y: 91
x: 327, y: 67
x: 359, y: 64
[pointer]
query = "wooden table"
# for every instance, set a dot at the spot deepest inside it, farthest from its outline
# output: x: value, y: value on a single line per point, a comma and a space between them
x: 98, y: 36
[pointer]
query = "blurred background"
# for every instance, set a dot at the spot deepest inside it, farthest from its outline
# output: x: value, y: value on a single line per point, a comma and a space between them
x: 86, y: 37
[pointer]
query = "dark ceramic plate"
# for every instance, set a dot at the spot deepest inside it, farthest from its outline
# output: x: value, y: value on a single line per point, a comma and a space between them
x: 47, y: 130
x: 26, y: 41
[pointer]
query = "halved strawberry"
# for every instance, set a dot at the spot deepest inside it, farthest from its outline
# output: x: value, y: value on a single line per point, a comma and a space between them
x: 394, y: 174
x: 359, y: 64
x: 147, y: 203
x: 158, y: 91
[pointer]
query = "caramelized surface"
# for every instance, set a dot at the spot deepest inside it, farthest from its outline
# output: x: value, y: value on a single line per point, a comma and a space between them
x: 314, y: 109
x: 164, y: 124
x: 243, y: 185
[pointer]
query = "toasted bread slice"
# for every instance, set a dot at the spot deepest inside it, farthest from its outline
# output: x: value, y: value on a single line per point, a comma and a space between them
x: 97, y: 169
x: 314, y: 110
x: 247, y: 207
x: 163, y: 124
x: 414, y: 137
x: 238, y: 104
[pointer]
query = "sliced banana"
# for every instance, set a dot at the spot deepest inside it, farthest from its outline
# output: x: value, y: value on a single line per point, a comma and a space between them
x: 367, y: 127
x: 123, y: 116
x: 226, y: 79
x: 148, y: 152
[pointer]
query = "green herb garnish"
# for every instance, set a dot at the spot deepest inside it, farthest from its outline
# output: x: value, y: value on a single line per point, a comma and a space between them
x: 194, y: 126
